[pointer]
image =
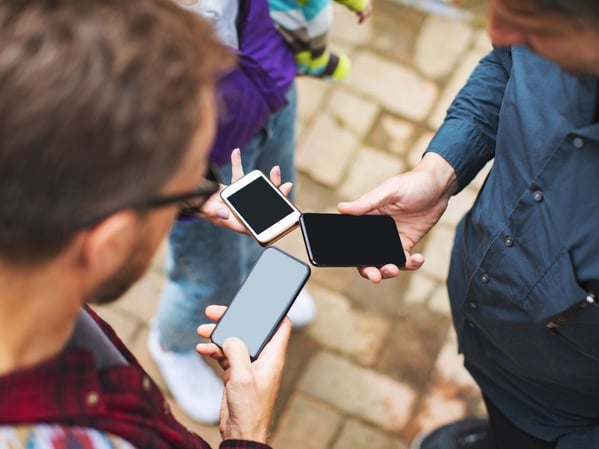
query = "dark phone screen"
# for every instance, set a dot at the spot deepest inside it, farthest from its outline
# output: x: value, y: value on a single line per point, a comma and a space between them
x: 263, y: 300
x: 259, y: 205
x: 351, y: 241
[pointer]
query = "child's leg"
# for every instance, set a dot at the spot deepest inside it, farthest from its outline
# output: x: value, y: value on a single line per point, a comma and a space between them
x: 326, y: 64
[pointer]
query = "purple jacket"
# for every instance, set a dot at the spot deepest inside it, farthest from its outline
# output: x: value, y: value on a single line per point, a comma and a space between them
x: 256, y: 88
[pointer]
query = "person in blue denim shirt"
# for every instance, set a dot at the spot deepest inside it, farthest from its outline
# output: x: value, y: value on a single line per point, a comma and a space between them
x: 207, y: 263
x: 524, y: 275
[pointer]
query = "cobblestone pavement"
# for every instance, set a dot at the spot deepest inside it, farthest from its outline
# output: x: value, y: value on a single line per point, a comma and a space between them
x: 380, y: 363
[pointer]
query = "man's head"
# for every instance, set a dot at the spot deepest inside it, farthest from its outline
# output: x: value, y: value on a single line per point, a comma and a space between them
x: 564, y: 31
x: 104, y: 105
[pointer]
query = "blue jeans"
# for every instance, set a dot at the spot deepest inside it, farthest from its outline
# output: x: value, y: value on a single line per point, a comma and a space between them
x: 206, y: 263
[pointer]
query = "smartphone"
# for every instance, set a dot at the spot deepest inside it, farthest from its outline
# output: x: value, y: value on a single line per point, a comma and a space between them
x: 266, y: 213
x: 263, y: 300
x: 339, y: 240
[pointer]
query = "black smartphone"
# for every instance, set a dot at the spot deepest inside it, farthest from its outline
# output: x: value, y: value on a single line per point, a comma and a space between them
x: 339, y: 240
x: 263, y: 300
x: 265, y: 212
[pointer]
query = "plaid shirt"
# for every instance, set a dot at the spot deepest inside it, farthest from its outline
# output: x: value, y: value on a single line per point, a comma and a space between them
x: 121, y: 400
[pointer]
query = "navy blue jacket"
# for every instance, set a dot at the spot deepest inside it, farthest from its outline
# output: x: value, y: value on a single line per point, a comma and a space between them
x: 525, y: 264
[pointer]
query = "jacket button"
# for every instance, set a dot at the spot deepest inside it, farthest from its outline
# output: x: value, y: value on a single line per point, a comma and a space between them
x: 509, y: 241
x: 538, y: 195
x: 473, y: 305
x: 484, y: 278
x: 146, y: 384
x: 578, y: 142
x: 92, y: 399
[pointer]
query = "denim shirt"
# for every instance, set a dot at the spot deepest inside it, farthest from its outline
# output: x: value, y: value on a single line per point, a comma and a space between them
x: 525, y: 263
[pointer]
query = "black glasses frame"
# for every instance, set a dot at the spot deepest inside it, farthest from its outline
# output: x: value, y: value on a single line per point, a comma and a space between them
x: 191, y: 202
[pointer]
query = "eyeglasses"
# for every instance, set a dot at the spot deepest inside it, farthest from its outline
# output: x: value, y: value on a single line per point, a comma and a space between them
x: 190, y: 203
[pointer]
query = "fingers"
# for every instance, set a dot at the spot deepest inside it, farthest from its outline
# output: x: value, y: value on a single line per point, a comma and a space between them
x: 376, y: 275
x: 275, y: 175
x: 236, y: 166
x: 215, y: 312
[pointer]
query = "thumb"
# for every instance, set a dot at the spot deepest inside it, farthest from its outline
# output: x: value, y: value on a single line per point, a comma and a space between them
x: 370, y: 201
x: 239, y: 359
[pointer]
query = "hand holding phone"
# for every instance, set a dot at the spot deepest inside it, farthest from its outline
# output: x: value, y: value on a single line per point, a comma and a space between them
x: 263, y: 300
x: 261, y: 207
x: 247, y: 409
x: 340, y: 240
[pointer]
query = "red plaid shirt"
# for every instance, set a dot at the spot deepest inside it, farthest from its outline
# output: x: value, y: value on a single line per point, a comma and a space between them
x: 121, y: 400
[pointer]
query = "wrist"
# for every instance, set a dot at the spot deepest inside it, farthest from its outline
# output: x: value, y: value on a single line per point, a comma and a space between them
x: 441, y: 170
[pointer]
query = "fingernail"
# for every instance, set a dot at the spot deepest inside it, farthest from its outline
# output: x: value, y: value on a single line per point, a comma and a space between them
x: 223, y: 213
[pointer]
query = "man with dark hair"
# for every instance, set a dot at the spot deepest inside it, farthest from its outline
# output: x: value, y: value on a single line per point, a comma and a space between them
x: 107, y: 114
x: 524, y: 273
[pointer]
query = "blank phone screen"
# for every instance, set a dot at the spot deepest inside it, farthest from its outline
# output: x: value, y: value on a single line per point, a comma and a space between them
x: 263, y: 300
x: 260, y: 205
x: 352, y: 241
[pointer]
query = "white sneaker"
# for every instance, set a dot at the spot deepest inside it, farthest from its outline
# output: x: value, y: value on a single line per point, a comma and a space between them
x: 303, y: 310
x: 195, y: 387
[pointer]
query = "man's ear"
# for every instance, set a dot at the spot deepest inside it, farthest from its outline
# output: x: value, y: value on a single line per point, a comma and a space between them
x: 105, y: 247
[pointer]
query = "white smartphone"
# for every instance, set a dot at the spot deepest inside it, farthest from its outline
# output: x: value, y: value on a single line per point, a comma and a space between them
x: 266, y: 213
x: 263, y: 300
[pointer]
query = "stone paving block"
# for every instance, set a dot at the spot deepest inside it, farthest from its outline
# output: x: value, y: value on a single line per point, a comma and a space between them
x: 125, y: 325
x: 482, y: 40
x: 396, y: 87
x: 437, y: 409
x: 369, y: 169
x: 209, y: 433
x: 396, y: 28
x: 311, y: 94
x: 353, y: 112
x: 141, y: 300
x: 347, y: 29
x: 384, y: 298
x: 357, y: 333
x: 326, y: 150
x: 311, y: 196
x: 437, y: 252
x: 359, y: 392
x: 396, y: 134
x: 412, y: 347
x: 450, y: 364
x: 420, y: 289
x: 418, y: 148
x: 357, y: 435
x: 440, y: 44
x: 439, y: 301
x: 479, y: 179
x: 456, y: 82
x: 458, y: 206
x: 307, y: 424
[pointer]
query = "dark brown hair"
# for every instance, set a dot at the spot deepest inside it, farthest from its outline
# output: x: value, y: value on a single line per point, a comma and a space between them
x: 579, y: 10
x: 99, y: 100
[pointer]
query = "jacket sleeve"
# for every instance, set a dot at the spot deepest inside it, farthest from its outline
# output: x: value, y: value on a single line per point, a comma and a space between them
x: 466, y: 139
x: 242, y: 444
